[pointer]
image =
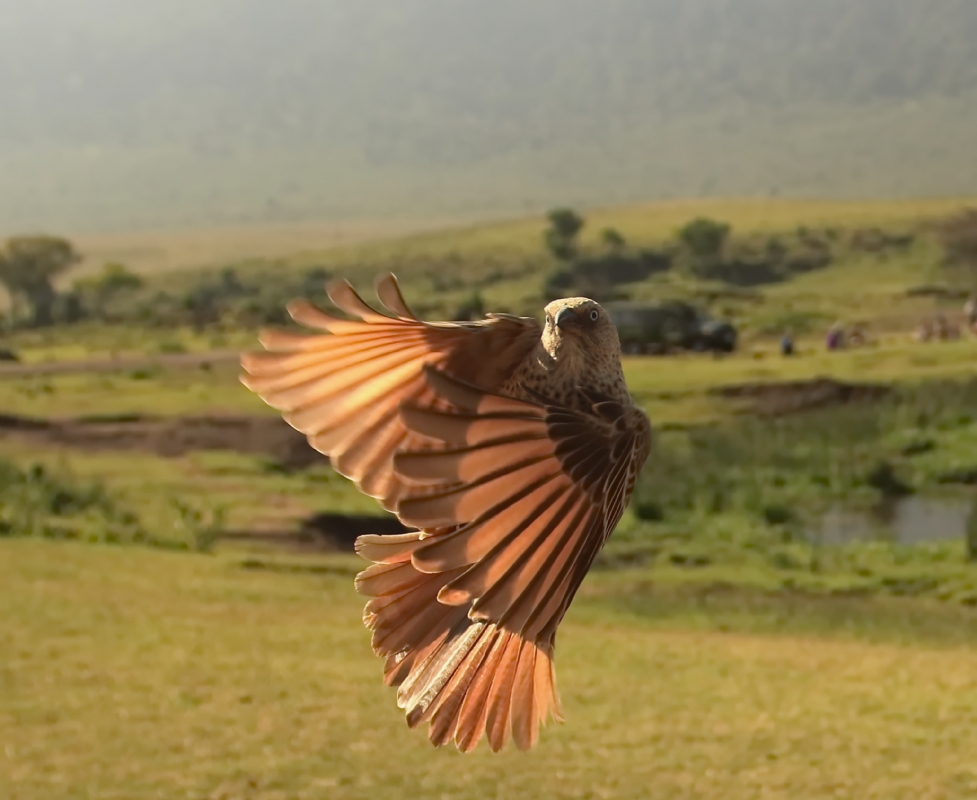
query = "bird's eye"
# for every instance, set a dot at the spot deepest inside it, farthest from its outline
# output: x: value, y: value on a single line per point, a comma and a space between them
x: 594, y: 315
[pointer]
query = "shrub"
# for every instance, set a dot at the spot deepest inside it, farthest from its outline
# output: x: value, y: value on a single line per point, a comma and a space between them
x: 704, y: 238
x: 35, y: 503
x: 561, y: 235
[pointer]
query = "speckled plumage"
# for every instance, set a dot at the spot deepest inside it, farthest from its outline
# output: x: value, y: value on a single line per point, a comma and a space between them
x: 585, y: 354
x: 512, y: 449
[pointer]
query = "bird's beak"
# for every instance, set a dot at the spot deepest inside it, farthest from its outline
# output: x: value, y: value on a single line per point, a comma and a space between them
x: 565, y: 318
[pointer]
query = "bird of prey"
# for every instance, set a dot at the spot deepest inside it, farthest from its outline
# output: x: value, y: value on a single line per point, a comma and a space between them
x: 510, y: 447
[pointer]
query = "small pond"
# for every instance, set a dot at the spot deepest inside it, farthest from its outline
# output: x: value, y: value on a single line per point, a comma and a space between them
x: 904, y: 520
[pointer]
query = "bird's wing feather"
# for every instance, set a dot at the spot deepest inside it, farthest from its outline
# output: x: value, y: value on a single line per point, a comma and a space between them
x: 343, y: 387
x: 521, y: 495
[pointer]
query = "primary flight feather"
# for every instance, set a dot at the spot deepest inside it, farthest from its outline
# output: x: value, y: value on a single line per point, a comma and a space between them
x: 512, y: 448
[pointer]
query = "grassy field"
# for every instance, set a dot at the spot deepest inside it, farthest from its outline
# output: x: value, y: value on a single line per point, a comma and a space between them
x: 719, y: 648
x: 148, y: 252
x: 505, y: 264
x: 738, y: 491
x: 498, y: 257
x: 133, y: 674
x: 675, y: 389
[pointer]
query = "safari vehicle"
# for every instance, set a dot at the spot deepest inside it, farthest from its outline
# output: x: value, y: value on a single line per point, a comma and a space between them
x: 669, y: 326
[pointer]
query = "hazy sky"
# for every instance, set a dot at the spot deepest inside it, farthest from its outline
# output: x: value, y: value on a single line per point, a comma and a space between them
x: 149, y: 70
x: 187, y: 109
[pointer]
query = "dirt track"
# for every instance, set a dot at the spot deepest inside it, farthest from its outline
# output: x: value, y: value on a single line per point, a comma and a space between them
x: 272, y: 437
x: 172, y: 360
x: 791, y: 397
x: 169, y: 436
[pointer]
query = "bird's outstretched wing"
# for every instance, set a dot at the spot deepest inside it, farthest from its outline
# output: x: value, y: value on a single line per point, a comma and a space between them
x: 343, y: 387
x: 513, y: 500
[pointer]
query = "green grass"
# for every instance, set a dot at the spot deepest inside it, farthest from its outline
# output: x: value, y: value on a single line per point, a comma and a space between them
x: 149, y: 390
x: 503, y: 250
x: 734, y: 493
x: 713, y: 653
x: 98, y: 341
x: 506, y: 264
x: 674, y: 389
x: 250, y: 492
x: 135, y: 674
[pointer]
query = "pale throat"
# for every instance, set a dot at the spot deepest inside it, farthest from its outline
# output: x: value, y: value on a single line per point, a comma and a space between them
x: 565, y: 366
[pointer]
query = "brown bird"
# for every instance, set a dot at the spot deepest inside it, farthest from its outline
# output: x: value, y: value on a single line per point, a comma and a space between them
x: 511, y: 447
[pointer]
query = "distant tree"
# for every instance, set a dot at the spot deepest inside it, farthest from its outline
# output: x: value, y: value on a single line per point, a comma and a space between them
x: 704, y: 238
x: 28, y: 267
x: 230, y: 283
x: 99, y: 292
x: 203, y: 305
x: 612, y: 238
x: 117, y: 278
x: 959, y: 238
x: 314, y: 282
x: 561, y: 236
x: 472, y: 308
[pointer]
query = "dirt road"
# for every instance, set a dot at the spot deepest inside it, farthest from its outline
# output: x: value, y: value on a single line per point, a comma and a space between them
x: 169, y: 436
x: 170, y: 360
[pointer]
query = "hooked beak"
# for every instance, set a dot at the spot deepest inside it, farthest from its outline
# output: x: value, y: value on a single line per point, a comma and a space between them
x: 566, y: 318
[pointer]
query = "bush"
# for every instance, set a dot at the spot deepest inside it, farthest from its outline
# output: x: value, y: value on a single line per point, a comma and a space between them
x: 884, y: 478
x: 754, y: 261
x: 772, y: 469
x: 704, y: 238
x: 612, y: 238
x: 472, y: 308
x: 599, y: 276
x: 561, y: 235
x: 958, y: 235
x: 35, y: 503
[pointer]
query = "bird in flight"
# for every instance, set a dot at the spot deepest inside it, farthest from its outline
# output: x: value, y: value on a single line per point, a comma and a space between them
x: 510, y: 447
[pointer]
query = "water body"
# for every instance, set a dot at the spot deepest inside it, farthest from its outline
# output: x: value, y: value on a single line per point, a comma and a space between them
x: 906, y: 520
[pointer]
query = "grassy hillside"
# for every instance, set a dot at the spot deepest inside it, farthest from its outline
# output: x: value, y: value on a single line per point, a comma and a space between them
x: 711, y: 491
x: 506, y: 265
x: 162, y: 115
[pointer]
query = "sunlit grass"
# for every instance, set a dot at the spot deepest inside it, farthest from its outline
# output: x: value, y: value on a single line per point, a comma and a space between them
x: 249, y: 490
x: 649, y: 223
x: 93, y: 341
x: 145, y: 390
x: 674, y: 389
x: 131, y: 673
x: 506, y: 263
x: 892, y: 361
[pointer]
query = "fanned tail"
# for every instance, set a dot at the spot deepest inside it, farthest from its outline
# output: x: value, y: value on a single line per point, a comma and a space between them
x: 467, y: 679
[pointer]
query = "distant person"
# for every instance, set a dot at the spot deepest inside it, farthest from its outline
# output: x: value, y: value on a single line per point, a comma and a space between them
x: 835, y: 337
x: 787, y: 344
x: 924, y: 331
x: 970, y: 313
x: 945, y: 330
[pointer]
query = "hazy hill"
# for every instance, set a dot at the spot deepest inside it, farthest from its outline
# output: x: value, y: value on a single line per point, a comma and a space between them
x: 175, y: 112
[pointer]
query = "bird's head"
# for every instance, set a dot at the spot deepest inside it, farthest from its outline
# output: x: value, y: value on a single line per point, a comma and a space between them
x: 578, y: 330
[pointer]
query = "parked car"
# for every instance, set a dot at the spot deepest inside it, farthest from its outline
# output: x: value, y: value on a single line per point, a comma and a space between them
x: 668, y: 326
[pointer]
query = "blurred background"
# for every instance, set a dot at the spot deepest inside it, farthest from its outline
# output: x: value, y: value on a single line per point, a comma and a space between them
x: 776, y: 200
x: 179, y: 113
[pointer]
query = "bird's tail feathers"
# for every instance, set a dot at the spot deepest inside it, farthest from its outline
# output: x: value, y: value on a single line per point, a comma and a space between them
x: 467, y: 679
